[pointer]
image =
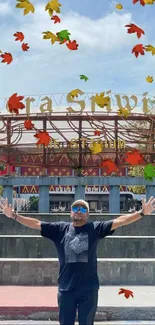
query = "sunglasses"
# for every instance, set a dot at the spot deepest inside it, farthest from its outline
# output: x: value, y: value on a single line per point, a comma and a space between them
x: 77, y: 208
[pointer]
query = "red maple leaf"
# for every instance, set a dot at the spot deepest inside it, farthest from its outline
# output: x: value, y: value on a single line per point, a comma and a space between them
x: 141, y: 2
x: 127, y: 293
x: 43, y: 137
x: 135, y: 29
x: 14, y: 103
x: 56, y: 19
x: 110, y: 166
x: 72, y: 45
x: 97, y: 132
x: 134, y: 158
x: 28, y: 124
x: 25, y: 47
x: 19, y: 36
x: 7, y: 58
x: 138, y: 49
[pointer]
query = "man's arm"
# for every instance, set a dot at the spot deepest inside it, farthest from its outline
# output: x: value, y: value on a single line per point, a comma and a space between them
x: 147, y: 209
x: 125, y: 220
x: 28, y: 222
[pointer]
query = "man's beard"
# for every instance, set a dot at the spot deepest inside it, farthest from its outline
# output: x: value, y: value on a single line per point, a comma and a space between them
x: 77, y: 219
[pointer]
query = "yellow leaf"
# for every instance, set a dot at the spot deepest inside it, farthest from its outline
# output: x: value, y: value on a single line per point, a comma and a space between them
x: 123, y: 112
x: 119, y: 6
x: 26, y: 5
x: 52, y: 6
x: 74, y: 93
x: 101, y: 101
x: 51, y: 36
x: 149, y: 2
x: 149, y: 79
x: 150, y: 48
x: 96, y: 147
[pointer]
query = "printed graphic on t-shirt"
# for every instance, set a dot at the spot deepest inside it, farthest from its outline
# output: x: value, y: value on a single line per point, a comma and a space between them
x: 76, y: 248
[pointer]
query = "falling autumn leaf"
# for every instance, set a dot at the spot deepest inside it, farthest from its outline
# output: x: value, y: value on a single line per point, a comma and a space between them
x: 123, y: 112
x: 127, y: 293
x: 56, y: 19
x: 149, y: 79
x: 63, y: 35
x: 149, y: 172
x: 134, y: 158
x: 149, y: 2
x: 135, y: 29
x: 150, y: 48
x: 25, y: 47
x: 26, y: 5
x: 52, y: 6
x: 74, y: 93
x: 51, y: 36
x: 119, y: 6
x: 14, y: 103
x: 62, y: 42
x: 72, y: 45
x: 138, y: 49
x: 7, y: 58
x: 43, y: 137
x: 97, y: 133
x: 101, y: 101
x: 110, y: 166
x: 96, y: 147
x: 141, y: 2
x: 19, y: 36
x: 83, y: 77
x: 28, y: 124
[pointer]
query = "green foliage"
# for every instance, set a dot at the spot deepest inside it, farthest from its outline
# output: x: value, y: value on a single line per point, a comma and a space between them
x: 2, y: 167
x: 33, y: 203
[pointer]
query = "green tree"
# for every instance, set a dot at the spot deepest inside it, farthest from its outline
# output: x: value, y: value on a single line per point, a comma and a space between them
x: 33, y: 203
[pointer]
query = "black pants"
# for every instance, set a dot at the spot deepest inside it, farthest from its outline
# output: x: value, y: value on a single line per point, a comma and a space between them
x: 85, y: 301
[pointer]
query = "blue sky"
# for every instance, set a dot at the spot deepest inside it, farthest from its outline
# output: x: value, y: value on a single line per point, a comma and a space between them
x: 104, y: 53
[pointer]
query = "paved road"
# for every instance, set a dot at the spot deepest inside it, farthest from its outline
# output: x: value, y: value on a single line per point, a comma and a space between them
x: 136, y: 322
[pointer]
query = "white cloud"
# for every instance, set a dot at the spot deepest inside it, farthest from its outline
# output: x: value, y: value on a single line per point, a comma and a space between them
x: 104, y: 55
x: 106, y: 33
x: 4, y: 8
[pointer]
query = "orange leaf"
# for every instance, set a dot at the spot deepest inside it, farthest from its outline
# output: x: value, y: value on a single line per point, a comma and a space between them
x: 25, y: 47
x: 135, y: 29
x: 138, y: 49
x: 7, y: 58
x: 72, y: 45
x: 62, y: 42
x: 43, y: 137
x: 141, y: 2
x: 56, y: 19
x: 134, y: 158
x: 14, y: 103
x: 28, y: 124
x: 19, y: 36
x: 97, y: 132
x: 127, y: 293
x: 110, y: 165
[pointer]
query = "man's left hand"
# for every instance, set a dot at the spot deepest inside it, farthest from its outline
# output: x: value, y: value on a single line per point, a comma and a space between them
x: 148, y: 207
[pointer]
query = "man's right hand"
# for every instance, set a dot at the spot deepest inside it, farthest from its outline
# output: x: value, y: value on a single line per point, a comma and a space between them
x: 7, y: 209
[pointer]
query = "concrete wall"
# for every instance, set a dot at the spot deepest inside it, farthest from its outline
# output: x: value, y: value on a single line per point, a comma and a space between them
x: 110, y: 247
x: 45, y: 272
x: 142, y: 227
x: 126, y: 260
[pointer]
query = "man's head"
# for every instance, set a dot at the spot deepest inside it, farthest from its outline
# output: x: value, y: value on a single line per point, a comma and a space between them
x: 79, y: 212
